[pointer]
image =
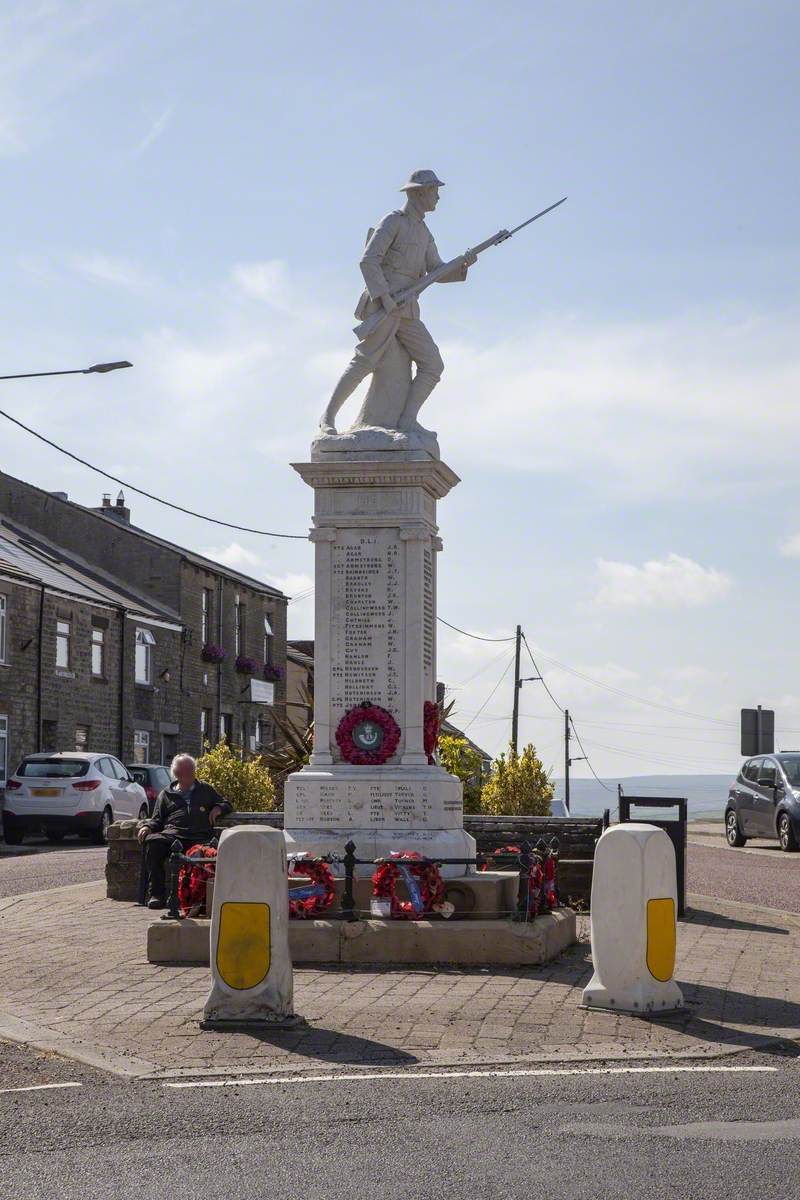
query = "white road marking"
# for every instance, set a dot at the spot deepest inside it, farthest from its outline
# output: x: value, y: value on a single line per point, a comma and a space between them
x: 39, y: 1087
x: 535, y: 1072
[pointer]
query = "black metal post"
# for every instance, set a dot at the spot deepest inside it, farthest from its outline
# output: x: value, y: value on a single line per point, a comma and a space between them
x: 173, y: 912
x: 348, y: 899
x: 523, y: 890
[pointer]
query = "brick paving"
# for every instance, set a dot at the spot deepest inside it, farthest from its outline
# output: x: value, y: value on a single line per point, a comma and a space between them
x: 73, y: 969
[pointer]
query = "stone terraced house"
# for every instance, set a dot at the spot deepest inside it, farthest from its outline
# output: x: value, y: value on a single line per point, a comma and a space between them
x: 185, y: 648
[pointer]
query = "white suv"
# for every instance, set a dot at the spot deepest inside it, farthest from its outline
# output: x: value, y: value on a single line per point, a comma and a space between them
x: 69, y: 793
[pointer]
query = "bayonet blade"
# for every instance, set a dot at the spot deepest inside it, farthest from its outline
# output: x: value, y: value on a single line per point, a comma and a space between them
x: 511, y: 232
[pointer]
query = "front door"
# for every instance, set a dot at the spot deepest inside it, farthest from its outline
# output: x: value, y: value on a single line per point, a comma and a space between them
x: 748, y: 796
x: 768, y: 779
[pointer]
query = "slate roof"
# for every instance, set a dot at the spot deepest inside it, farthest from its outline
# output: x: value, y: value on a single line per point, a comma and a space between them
x: 199, y: 560
x: 27, y: 556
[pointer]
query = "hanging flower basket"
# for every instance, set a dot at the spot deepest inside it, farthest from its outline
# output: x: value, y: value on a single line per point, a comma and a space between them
x: 367, y: 735
x: 213, y: 654
x: 431, y: 724
x: 246, y: 666
x: 272, y: 674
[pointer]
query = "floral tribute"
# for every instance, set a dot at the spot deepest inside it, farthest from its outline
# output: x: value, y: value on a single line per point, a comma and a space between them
x: 431, y: 725
x: 367, y: 735
x: 192, y: 880
x: 542, y: 878
x: 247, y: 666
x: 272, y: 674
x: 317, y: 896
x: 212, y: 653
x: 422, y: 879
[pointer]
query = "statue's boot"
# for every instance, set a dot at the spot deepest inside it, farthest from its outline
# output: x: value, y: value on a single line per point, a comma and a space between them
x: 357, y: 370
x: 422, y: 386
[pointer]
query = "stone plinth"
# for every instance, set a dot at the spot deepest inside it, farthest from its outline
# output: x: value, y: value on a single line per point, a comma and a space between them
x: 376, y: 543
x: 480, y: 942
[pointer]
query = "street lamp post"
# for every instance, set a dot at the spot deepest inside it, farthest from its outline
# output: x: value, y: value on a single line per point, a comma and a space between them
x: 97, y: 369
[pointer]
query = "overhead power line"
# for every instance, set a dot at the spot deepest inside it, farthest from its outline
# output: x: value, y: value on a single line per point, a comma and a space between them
x: 475, y: 636
x: 131, y: 487
x: 586, y: 758
x: 541, y: 677
x: 491, y: 694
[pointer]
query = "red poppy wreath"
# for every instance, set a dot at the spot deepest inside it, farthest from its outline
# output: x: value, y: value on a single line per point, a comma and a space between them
x: 432, y: 723
x: 367, y: 735
x: 318, y: 895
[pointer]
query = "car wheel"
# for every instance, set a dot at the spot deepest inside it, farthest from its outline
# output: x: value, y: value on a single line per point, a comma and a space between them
x: 143, y: 813
x: 101, y: 833
x: 786, y: 835
x: 13, y: 837
x: 54, y: 835
x: 733, y: 834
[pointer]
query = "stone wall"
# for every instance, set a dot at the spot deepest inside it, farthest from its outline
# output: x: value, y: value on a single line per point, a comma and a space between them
x: 123, y: 861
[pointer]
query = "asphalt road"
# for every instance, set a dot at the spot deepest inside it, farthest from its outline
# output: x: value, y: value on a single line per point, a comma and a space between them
x: 48, y: 866
x: 589, y: 1136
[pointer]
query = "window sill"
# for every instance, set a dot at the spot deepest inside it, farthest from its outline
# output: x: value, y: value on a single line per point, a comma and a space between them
x: 99, y: 679
x: 63, y: 673
x: 146, y: 687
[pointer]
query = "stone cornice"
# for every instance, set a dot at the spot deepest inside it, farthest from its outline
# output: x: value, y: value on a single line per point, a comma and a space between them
x: 435, y: 477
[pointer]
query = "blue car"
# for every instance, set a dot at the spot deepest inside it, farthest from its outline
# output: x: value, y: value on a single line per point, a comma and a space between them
x: 764, y: 802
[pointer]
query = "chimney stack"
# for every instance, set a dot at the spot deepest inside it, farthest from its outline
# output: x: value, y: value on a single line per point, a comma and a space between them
x: 118, y: 510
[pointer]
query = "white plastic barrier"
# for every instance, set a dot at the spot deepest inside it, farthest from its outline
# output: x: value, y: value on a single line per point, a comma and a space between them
x: 251, y: 971
x: 634, y: 921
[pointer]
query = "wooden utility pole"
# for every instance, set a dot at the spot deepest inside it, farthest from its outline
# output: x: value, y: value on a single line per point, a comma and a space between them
x: 517, y: 690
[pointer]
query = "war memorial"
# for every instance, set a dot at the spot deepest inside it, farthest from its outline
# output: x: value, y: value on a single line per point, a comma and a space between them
x: 373, y: 788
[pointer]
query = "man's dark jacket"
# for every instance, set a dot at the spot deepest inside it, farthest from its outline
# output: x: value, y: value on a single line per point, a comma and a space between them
x: 173, y: 816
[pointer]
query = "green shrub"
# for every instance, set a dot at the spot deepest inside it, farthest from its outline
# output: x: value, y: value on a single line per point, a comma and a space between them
x: 518, y: 785
x: 244, y: 782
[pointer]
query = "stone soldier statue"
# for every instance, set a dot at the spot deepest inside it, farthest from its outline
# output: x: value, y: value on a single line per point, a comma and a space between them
x: 398, y: 253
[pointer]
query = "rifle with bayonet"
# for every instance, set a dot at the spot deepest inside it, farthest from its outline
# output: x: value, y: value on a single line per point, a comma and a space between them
x: 371, y: 323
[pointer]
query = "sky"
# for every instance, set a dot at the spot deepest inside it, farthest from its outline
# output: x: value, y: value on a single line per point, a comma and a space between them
x: 189, y: 185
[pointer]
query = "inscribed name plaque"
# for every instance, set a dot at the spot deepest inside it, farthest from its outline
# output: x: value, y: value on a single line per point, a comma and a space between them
x: 366, y: 645
x: 393, y: 803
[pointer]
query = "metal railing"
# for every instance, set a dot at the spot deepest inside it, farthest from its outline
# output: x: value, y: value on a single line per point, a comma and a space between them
x: 525, y: 858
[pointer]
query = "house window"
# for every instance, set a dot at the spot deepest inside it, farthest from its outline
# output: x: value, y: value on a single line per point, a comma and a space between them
x: 3, y: 750
x: 82, y: 737
x: 3, y: 627
x: 238, y: 626
x: 205, y: 727
x: 267, y: 639
x: 205, y: 616
x: 50, y: 736
x: 63, y: 637
x: 98, y: 651
x: 226, y: 727
x: 144, y: 656
x: 141, y: 746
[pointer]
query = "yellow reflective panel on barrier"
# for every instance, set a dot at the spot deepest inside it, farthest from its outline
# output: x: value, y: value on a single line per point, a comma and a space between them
x: 243, y: 945
x: 661, y: 938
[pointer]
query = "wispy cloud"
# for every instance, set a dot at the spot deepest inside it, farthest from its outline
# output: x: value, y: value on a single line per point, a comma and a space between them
x: 155, y: 131
x: 671, y: 582
x: 104, y: 268
x: 790, y: 546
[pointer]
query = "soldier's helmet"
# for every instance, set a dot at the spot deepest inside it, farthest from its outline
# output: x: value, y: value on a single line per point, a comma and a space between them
x: 423, y: 178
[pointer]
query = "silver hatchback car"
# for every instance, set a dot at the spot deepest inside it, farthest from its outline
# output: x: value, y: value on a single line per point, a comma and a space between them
x: 69, y: 793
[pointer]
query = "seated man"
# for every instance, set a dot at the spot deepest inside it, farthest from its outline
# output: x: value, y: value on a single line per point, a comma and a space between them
x: 187, y: 810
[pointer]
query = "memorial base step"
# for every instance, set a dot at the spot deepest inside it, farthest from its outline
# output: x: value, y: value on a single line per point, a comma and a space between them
x: 485, y: 943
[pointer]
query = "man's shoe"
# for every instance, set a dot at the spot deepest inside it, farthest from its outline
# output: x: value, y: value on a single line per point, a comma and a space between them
x: 156, y: 902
